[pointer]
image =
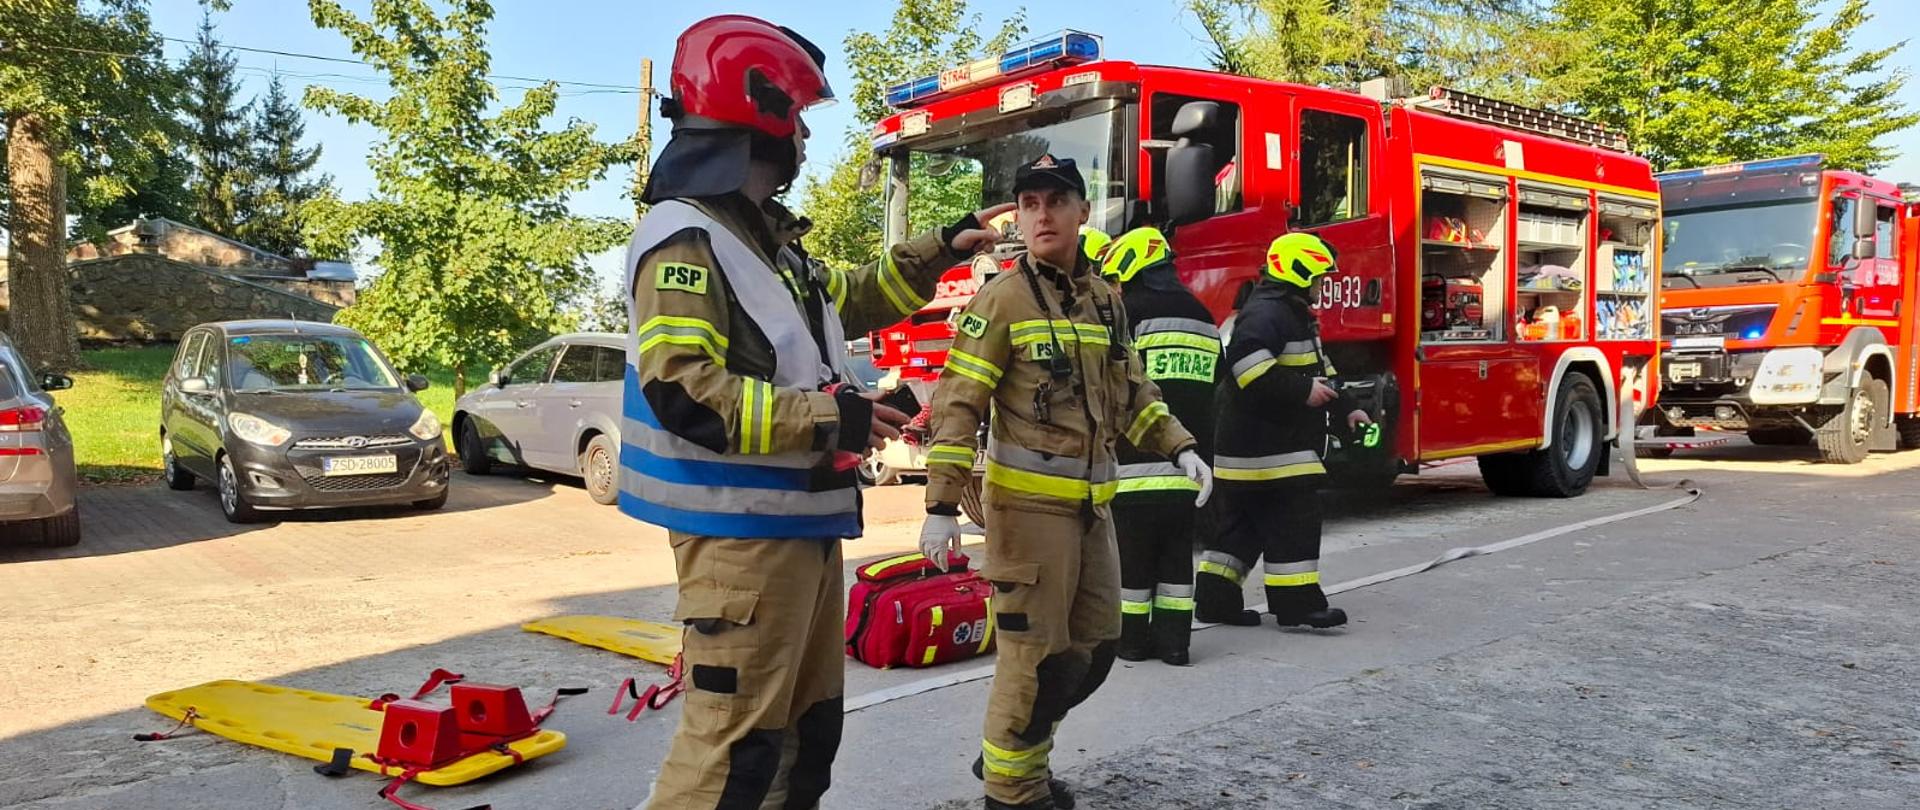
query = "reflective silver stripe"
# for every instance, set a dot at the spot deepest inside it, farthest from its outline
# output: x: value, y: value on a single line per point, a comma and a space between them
x: 744, y: 500
x: 1254, y: 358
x: 1265, y: 462
x: 1302, y: 567
x: 1136, y: 594
x: 1020, y: 458
x: 1300, y: 347
x: 1224, y: 559
x: 1188, y: 325
x: 662, y: 443
x: 1150, y: 470
x: 1170, y: 589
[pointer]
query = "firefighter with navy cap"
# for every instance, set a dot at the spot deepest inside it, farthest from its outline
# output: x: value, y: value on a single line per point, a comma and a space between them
x: 1043, y: 350
x: 1275, y: 399
x: 738, y: 435
x: 1153, y: 512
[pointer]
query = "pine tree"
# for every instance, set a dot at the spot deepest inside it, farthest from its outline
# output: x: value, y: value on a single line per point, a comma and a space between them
x: 217, y: 137
x: 279, y: 168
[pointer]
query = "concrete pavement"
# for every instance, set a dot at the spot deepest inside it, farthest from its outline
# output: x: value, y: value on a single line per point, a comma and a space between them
x: 1487, y: 682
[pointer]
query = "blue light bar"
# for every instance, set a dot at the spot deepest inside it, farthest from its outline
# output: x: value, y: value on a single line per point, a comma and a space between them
x: 1062, y: 48
x: 1771, y: 164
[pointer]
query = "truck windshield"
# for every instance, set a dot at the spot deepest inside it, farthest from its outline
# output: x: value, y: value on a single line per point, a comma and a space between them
x: 974, y: 169
x: 1770, y: 241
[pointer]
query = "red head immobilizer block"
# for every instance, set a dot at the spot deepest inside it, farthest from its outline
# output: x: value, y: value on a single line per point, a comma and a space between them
x: 416, y: 733
x: 490, y: 710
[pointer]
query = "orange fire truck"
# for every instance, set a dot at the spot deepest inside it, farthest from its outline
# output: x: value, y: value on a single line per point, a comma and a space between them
x: 1495, y: 294
x: 1789, y: 296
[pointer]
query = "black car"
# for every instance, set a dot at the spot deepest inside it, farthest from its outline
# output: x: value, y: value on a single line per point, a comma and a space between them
x: 296, y: 415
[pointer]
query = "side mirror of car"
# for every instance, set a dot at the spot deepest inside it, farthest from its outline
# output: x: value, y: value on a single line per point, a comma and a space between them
x: 195, y: 385
x: 55, y: 382
x: 498, y: 378
x: 417, y: 383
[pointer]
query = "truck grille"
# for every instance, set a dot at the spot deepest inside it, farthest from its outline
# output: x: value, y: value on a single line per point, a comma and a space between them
x: 1734, y: 321
x: 346, y: 442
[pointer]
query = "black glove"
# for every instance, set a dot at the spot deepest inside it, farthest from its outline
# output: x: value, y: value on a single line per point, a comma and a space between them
x: 952, y: 232
x: 856, y: 419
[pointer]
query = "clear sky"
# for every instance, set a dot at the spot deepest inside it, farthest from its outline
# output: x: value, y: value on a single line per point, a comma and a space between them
x: 602, y: 41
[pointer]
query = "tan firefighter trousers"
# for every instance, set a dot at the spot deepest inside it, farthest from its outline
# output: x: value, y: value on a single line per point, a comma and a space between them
x: 1056, y: 606
x: 763, y: 653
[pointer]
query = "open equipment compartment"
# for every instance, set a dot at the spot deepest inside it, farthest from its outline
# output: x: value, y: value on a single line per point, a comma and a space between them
x: 1462, y: 250
x: 1551, y: 271
x: 1624, y: 270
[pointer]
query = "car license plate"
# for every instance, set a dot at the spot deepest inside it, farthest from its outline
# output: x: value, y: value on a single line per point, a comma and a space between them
x: 360, y: 465
x: 1682, y: 372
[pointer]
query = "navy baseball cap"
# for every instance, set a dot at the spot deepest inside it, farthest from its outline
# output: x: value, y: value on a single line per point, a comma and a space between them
x: 1049, y: 172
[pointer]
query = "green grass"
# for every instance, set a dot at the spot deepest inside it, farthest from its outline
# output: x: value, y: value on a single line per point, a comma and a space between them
x: 113, y: 411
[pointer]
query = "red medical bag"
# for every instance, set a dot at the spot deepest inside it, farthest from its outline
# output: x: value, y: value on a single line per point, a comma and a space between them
x: 904, y: 612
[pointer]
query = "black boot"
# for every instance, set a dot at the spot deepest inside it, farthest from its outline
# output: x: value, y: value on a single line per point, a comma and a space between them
x: 1303, y: 606
x: 1136, y: 637
x: 1059, y: 795
x: 1040, y: 804
x: 1218, y: 600
x: 1172, y: 631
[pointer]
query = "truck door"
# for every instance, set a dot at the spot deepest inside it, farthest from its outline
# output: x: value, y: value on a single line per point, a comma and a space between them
x: 1338, y: 195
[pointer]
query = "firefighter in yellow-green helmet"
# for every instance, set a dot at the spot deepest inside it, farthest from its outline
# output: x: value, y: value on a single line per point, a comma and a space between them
x: 1154, y: 513
x: 1276, y: 395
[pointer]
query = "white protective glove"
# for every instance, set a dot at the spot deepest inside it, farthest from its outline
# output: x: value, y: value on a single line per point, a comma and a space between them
x: 1190, y: 466
x: 939, y: 535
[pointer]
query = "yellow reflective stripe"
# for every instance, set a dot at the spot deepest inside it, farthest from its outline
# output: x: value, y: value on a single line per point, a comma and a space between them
x: 1022, y: 333
x: 1145, y: 420
x: 1016, y: 764
x: 896, y: 289
x: 662, y: 323
x: 875, y: 568
x: 1173, y: 603
x: 970, y: 374
x: 1158, y: 483
x: 1302, y: 359
x: 837, y: 287
x: 1270, y: 474
x: 950, y: 454
x: 1052, y: 486
x: 939, y: 618
x: 1220, y: 570
x: 1136, y: 608
x: 1247, y: 377
x: 766, y: 418
x: 987, y: 637
x: 700, y: 342
x: 1183, y: 340
x: 1093, y: 334
x: 976, y: 364
x: 1290, y: 580
x: 747, y: 413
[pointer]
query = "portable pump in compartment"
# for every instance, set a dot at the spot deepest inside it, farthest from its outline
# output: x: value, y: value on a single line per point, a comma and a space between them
x: 1451, y: 304
x: 1366, y: 454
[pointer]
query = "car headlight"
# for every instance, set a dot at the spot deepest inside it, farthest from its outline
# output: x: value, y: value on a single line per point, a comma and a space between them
x: 1789, y: 377
x: 256, y: 430
x: 427, y: 427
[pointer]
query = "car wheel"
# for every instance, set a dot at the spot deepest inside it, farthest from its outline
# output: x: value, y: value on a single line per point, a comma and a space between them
x: 61, y: 530
x: 600, y: 468
x: 877, y: 473
x: 473, y: 450
x: 434, y: 502
x: 233, y: 504
x: 176, y: 476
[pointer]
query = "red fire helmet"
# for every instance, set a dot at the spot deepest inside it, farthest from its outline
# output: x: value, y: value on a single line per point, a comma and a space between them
x: 748, y: 72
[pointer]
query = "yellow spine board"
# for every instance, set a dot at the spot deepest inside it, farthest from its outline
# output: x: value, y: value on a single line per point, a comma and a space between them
x: 312, y: 724
x: 647, y: 641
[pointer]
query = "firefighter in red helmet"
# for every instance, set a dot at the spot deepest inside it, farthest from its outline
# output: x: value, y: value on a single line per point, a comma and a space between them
x: 736, y: 429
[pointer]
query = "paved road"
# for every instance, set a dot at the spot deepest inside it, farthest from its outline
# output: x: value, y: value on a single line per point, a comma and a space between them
x: 1752, y: 649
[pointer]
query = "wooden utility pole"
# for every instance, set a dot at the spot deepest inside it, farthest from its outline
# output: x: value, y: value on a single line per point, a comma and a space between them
x: 645, y: 136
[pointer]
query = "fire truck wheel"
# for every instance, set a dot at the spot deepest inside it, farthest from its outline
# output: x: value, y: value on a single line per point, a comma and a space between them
x: 1565, y: 469
x: 1845, y: 438
x: 1909, y: 427
x: 1505, y: 473
x: 970, y: 501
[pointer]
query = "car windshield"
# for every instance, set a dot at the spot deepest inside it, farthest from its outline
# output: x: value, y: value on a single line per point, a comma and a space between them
x: 1720, y: 245
x: 947, y: 179
x: 305, y: 363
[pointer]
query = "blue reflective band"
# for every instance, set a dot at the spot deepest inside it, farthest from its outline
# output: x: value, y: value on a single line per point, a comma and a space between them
x: 731, y: 524
x: 713, y: 473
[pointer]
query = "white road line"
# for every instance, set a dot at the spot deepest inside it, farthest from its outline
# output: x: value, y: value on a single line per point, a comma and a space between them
x: 942, y: 681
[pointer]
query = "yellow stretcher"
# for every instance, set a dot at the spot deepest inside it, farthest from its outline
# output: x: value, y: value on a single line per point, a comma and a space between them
x: 313, y: 724
x: 647, y: 641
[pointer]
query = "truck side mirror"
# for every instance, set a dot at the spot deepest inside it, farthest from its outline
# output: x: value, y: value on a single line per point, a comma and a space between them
x: 1863, y: 248
x: 1191, y: 165
x: 1863, y: 219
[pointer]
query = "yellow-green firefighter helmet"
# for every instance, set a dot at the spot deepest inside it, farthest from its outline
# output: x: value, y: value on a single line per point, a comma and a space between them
x: 1134, y: 251
x: 1298, y: 259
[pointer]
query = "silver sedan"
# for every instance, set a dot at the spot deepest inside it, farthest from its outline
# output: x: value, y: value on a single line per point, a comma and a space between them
x: 37, y: 481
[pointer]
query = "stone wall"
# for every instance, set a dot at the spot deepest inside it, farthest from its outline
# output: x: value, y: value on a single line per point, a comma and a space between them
x: 334, y: 292
x: 185, y: 243
x: 148, y: 298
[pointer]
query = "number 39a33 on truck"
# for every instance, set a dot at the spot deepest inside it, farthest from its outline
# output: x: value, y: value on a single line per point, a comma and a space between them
x: 1495, y: 290
x: 1788, y: 301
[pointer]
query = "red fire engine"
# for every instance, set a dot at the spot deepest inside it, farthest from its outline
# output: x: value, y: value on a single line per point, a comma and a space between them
x: 1789, y: 303
x: 1495, y: 298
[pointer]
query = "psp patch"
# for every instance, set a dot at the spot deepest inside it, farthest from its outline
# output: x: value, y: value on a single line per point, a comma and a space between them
x: 972, y: 325
x: 683, y: 277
